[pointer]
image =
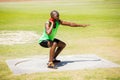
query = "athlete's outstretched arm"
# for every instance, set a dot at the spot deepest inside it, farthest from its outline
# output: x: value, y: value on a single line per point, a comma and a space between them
x: 73, y: 24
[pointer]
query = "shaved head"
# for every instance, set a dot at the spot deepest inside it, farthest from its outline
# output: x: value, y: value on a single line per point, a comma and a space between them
x: 54, y: 14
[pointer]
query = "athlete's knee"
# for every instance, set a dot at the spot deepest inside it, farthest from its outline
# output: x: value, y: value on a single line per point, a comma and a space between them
x: 54, y: 44
x: 63, y: 45
x: 50, y: 44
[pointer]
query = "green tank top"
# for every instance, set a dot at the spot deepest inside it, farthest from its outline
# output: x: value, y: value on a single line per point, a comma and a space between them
x: 51, y: 36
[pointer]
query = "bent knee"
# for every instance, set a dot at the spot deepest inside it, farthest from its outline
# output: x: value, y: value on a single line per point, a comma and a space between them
x: 54, y: 44
x: 64, y: 45
x: 50, y: 44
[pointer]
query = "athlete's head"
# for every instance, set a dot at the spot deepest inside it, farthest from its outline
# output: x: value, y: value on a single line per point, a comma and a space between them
x: 54, y: 14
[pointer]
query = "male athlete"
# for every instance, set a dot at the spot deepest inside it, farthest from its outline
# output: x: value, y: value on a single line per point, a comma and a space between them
x: 48, y: 39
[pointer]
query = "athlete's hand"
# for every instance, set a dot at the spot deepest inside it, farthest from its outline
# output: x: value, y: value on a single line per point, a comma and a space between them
x: 85, y: 25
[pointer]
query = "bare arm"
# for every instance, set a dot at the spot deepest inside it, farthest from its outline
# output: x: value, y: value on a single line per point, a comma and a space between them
x: 73, y: 24
x: 48, y: 27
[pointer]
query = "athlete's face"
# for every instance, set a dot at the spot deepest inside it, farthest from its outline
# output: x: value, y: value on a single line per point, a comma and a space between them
x: 55, y: 16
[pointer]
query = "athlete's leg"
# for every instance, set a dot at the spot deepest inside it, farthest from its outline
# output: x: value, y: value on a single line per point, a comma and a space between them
x: 52, y: 51
x: 55, y: 48
x: 52, y: 46
x: 60, y: 46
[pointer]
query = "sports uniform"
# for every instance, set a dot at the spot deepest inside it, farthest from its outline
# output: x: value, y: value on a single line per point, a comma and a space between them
x: 43, y: 41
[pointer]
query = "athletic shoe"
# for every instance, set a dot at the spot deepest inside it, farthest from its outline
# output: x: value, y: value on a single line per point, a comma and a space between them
x: 56, y: 61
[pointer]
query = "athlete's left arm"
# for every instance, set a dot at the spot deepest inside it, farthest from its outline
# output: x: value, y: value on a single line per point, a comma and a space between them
x: 73, y: 24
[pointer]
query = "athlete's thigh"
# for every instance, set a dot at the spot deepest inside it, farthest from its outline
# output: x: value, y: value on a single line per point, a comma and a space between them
x: 59, y: 43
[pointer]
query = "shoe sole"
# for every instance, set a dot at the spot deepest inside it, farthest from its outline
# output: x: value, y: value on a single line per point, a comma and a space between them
x: 51, y: 67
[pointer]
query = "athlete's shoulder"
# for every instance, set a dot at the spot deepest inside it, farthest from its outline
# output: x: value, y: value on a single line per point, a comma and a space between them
x: 49, y: 21
x: 60, y: 21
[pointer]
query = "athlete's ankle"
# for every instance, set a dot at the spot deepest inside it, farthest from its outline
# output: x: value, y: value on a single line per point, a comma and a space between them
x: 50, y: 64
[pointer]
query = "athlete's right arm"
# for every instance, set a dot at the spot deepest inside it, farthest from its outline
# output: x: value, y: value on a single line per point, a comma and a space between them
x: 49, y: 27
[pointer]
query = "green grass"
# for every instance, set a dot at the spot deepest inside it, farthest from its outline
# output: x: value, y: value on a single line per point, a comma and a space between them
x: 101, y: 38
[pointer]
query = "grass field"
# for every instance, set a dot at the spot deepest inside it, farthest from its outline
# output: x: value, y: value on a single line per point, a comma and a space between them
x: 101, y: 38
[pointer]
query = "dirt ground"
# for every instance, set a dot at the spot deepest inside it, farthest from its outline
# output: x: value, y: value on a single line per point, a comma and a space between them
x: 17, y: 37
